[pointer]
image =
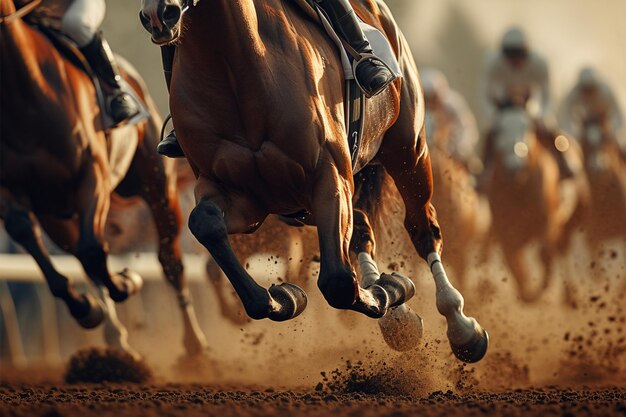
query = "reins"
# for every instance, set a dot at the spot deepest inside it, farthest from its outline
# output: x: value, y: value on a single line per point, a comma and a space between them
x: 19, y: 13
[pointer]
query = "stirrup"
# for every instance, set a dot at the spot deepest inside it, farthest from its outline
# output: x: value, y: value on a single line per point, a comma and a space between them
x: 165, y: 122
x: 366, y: 57
x: 167, y: 146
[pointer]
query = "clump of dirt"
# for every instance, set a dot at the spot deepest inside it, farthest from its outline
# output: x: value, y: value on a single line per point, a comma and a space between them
x: 96, y: 365
x: 374, y: 379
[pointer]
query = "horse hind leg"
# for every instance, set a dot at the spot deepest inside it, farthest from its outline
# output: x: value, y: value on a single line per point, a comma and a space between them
x: 22, y: 227
x: 159, y: 192
x: 279, y: 303
x: 332, y: 208
x: 93, y: 205
x: 402, y: 328
x: 411, y: 171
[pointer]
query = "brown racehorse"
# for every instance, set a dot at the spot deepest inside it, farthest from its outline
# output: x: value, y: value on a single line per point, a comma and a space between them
x: 55, y: 171
x: 605, y: 167
x: 524, y: 196
x: 258, y: 108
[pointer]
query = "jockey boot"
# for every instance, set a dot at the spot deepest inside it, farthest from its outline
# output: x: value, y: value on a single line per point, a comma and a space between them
x: 169, y: 146
x: 371, y: 74
x: 121, y: 106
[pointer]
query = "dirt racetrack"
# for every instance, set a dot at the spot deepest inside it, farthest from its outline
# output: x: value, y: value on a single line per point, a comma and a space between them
x: 562, y: 356
x: 198, y: 400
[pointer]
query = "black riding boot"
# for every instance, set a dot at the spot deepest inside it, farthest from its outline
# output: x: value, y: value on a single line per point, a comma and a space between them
x: 122, y: 106
x: 169, y: 145
x: 371, y: 74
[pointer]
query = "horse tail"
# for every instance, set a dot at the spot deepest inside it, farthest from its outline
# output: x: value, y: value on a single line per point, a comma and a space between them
x: 368, y: 187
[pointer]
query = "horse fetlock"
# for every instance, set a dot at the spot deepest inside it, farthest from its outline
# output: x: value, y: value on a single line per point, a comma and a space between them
x: 399, y: 288
x: 90, y: 313
x: 376, y: 301
x: 449, y: 301
x: 258, y: 310
x: 91, y: 254
x: 339, y: 289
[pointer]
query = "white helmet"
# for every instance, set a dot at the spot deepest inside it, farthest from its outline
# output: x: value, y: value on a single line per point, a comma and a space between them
x: 588, y: 77
x: 514, y: 39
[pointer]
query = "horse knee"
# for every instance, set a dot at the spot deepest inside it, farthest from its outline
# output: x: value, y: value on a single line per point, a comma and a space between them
x: 206, y: 223
x: 340, y: 288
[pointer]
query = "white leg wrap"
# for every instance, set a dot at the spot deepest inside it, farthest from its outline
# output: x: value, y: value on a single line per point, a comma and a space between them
x: 369, y: 269
x: 115, y: 333
x: 450, y: 303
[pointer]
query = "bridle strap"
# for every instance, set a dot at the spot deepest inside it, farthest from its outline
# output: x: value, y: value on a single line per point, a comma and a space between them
x: 19, y: 13
x: 187, y: 4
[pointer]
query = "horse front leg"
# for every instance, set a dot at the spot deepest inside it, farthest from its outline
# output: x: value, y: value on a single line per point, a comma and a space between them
x: 413, y: 177
x: 92, y: 199
x: 23, y: 228
x: 332, y: 208
x: 208, y: 224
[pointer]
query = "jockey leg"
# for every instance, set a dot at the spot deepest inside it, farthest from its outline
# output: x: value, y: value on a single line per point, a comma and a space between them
x: 169, y: 145
x: 371, y: 74
x: 81, y: 23
x: 121, y: 105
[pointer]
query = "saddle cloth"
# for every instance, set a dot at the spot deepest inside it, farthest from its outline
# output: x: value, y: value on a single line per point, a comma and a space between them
x: 354, y: 98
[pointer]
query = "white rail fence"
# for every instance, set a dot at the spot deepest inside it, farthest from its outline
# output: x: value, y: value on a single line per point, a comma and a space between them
x: 37, y: 329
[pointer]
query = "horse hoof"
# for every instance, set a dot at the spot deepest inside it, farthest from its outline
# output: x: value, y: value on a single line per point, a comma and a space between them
x: 399, y: 288
x: 475, y: 349
x: 290, y: 299
x: 402, y: 328
x: 132, y: 283
x: 94, y: 316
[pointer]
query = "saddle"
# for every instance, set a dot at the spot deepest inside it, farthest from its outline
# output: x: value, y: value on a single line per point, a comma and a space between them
x: 70, y: 51
x: 354, y: 100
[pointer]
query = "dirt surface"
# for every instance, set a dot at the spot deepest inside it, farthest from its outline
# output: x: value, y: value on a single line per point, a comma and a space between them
x: 200, y: 400
x: 565, y: 355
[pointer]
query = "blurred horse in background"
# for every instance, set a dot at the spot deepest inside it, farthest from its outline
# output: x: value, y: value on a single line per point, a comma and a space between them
x: 605, y: 167
x: 523, y: 194
x: 58, y: 169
